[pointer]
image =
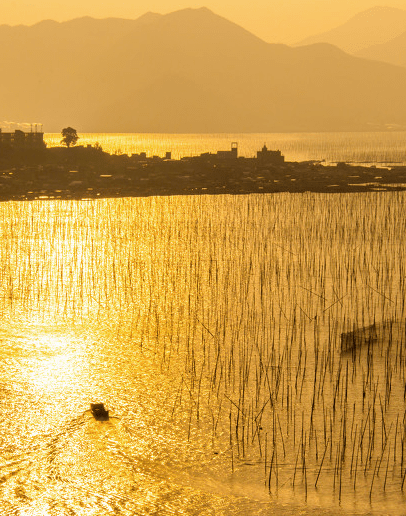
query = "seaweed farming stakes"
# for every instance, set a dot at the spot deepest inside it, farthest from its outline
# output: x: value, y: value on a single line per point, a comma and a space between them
x: 251, y: 350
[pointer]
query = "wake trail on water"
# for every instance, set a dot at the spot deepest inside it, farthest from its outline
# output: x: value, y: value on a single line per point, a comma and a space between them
x: 87, y: 464
x: 95, y: 467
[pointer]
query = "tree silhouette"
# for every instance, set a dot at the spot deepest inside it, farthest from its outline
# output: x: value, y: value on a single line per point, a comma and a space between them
x: 69, y: 136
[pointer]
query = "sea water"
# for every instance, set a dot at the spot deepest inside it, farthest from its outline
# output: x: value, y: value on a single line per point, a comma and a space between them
x: 210, y: 327
x: 369, y: 148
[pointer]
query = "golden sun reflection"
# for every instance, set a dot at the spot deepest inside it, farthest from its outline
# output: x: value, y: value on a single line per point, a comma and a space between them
x: 54, y: 363
x: 209, y: 338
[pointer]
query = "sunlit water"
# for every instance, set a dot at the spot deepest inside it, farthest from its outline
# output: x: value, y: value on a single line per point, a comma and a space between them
x: 210, y: 327
x: 373, y: 147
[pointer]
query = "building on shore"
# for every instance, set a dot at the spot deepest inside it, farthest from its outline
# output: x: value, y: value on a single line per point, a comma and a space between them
x: 22, y: 140
x: 220, y: 156
x: 266, y: 156
x: 230, y: 154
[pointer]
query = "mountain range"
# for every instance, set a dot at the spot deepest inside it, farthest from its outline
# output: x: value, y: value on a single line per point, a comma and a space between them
x: 392, y: 51
x: 378, y: 33
x: 189, y: 71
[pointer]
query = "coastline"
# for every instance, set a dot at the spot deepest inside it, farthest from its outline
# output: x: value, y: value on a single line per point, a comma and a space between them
x: 89, y: 173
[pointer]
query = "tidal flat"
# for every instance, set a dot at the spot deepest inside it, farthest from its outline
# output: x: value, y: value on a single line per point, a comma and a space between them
x: 211, y: 327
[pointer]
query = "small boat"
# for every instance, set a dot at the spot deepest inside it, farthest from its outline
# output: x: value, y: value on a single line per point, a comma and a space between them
x: 99, y: 412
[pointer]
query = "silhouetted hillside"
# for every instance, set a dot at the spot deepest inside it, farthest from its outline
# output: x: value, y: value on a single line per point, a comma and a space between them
x: 393, y: 52
x: 371, y: 27
x: 189, y: 71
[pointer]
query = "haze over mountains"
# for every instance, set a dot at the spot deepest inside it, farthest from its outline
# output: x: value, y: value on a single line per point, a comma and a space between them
x: 393, y: 51
x: 189, y: 71
x: 371, y: 27
x: 378, y: 33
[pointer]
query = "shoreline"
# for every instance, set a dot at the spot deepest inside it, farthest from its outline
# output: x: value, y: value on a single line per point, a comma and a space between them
x: 358, y: 180
x: 89, y: 173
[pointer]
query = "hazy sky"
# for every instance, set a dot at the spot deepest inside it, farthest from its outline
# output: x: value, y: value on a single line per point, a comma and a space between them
x: 285, y: 21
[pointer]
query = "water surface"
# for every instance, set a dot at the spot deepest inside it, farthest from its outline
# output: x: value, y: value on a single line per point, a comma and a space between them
x: 370, y: 147
x: 210, y: 327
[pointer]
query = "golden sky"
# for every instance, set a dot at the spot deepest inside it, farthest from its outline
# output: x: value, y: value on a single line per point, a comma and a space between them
x: 275, y: 21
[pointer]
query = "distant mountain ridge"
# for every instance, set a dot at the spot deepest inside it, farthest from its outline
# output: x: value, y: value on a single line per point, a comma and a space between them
x: 393, y: 51
x: 188, y: 71
x: 370, y: 27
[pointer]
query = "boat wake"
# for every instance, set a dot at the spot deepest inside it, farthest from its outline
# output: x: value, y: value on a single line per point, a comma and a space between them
x: 96, y: 467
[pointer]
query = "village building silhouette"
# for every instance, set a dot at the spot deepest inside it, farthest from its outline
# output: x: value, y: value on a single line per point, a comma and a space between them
x: 22, y: 140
